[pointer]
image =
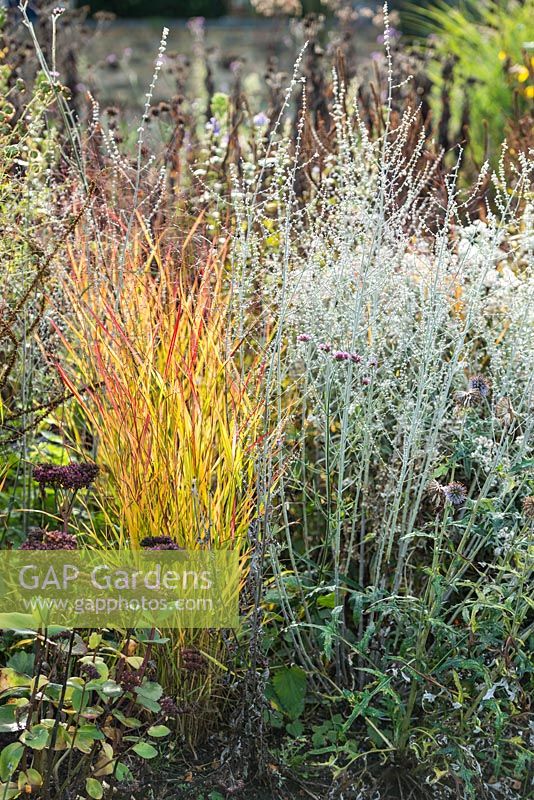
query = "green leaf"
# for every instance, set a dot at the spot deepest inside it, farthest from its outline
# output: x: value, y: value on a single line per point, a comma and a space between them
x: 290, y: 688
x: 123, y: 773
x: 152, y: 691
x: 9, y: 759
x: 10, y: 722
x: 110, y: 689
x: 8, y: 791
x: 86, y: 735
x: 24, y: 623
x: 129, y: 722
x: 145, y: 750
x: 94, y: 641
x: 327, y: 600
x: 94, y: 788
x: 36, y: 737
x: 135, y: 661
x: 31, y: 777
x: 158, y: 731
x: 295, y: 728
x: 148, y: 694
x: 22, y: 662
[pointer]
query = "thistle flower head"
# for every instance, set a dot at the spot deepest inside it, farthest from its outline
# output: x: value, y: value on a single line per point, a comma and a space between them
x: 455, y: 493
x: 304, y: 337
x: 480, y: 385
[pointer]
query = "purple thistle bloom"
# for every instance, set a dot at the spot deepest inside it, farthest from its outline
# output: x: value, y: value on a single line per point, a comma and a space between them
x: 355, y: 357
x: 39, y: 539
x: 326, y: 348
x: 455, y: 493
x: 73, y: 476
x: 366, y: 380
x: 159, y: 543
x: 304, y: 337
x: 341, y: 355
x: 479, y: 384
x: 373, y: 362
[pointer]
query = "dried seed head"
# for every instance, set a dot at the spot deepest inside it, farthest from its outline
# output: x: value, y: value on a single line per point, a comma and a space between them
x: 435, y: 492
x: 504, y: 412
x: 528, y: 506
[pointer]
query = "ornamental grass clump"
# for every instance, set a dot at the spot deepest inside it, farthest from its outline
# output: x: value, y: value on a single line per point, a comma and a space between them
x: 154, y: 373
x: 177, y: 416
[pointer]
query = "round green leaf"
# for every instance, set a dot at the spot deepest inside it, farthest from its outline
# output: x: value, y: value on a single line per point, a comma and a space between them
x: 94, y: 788
x: 145, y: 750
x: 159, y: 730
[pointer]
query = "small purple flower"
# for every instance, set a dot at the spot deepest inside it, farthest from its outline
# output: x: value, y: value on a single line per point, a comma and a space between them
x: 260, y: 120
x: 214, y: 126
x: 90, y: 672
x: 455, y: 493
x: 130, y: 680
x: 73, y: 476
x: 168, y: 707
x: 304, y: 337
x: 366, y: 380
x: 196, y: 26
x: 159, y: 543
x: 326, y: 348
x: 373, y: 362
x: 340, y: 355
x: 39, y: 539
x: 355, y: 358
x: 58, y: 11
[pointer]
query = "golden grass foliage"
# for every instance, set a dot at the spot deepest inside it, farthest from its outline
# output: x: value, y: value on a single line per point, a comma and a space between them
x: 152, y: 367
